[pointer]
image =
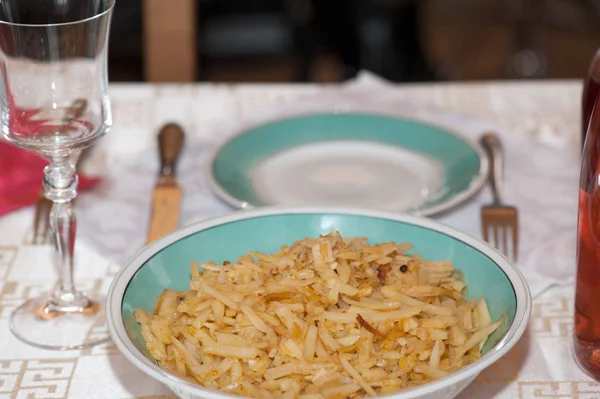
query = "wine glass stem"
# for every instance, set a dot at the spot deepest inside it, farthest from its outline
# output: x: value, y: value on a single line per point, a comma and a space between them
x: 64, y: 224
x: 60, y: 186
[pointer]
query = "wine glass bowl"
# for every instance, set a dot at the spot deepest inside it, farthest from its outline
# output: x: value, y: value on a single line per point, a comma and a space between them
x: 53, y: 54
x: 54, y: 100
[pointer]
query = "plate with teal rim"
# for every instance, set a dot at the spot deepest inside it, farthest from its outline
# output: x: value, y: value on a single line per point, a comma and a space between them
x: 353, y: 159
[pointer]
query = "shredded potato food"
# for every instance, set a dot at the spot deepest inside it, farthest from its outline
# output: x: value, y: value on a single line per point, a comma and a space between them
x: 330, y: 317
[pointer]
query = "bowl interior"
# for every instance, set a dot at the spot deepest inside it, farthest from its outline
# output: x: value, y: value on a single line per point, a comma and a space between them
x: 170, y: 268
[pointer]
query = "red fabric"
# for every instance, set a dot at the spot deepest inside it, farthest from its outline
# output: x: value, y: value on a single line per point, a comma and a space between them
x: 21, y: 175
x: 21, y: 171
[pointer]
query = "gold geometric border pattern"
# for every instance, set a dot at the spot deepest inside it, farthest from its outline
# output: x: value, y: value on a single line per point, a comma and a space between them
x: 551, y: 319
x: 559, y: 390
x: 14, y: 293
x: 48, y: 378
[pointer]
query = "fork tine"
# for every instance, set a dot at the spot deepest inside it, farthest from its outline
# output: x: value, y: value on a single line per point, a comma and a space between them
x: 39, y: 211
x: 504, y: 230
x: 515, y: 230
x: 484, y: 228
x: 47, y: 236
x: 41, y: 222
x: 505, y: 240
x: 495, y: 229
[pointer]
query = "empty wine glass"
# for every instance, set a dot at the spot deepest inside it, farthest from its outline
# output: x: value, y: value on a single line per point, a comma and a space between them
x: 54, y: 97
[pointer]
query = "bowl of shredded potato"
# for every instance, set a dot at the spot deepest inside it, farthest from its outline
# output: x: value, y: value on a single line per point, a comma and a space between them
x: 317, y: 303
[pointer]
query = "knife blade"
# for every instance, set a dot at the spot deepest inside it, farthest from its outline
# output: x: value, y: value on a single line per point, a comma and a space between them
x: 166, y: 200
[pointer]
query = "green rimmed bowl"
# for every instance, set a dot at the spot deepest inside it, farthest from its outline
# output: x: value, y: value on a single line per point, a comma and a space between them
x: 355, y: 159
x: 165, y: 264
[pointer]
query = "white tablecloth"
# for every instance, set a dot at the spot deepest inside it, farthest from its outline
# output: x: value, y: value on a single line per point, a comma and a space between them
x: 540, y: 366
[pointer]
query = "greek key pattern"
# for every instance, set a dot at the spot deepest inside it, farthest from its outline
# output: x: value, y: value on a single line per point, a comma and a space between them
x: 552, y: 318
x: 10, y: 372
x: 14, y: 293
x: 43, y: 379
x: 559, y: 390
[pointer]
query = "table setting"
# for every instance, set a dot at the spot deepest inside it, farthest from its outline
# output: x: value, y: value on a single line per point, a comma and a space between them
x: 483, y: 173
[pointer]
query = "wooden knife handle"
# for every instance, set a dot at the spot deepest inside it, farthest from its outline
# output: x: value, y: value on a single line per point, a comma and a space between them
x: 170, y: 142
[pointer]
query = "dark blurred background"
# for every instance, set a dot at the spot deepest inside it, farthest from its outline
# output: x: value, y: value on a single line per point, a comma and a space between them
x: 330, y: 40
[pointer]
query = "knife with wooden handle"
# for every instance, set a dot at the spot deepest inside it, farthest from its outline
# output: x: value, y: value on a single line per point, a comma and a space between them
x: 167, y: 194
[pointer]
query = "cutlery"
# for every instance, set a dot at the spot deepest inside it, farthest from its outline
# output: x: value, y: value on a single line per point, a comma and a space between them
x: 501, y: 219
x: 167, y: 194
x: 41, y: 224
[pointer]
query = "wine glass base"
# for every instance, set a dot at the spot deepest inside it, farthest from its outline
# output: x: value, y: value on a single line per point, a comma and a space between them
x: 34, y: 324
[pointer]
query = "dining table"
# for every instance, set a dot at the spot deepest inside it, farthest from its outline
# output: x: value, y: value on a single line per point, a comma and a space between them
x: 541, y: 365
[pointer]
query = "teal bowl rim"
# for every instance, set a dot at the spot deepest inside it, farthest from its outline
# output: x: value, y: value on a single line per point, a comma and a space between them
x: 475, y: 187
x: 114, y: 298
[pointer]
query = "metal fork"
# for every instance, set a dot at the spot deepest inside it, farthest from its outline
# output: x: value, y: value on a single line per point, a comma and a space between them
x: 41, y: 225
x: 502, y: 220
